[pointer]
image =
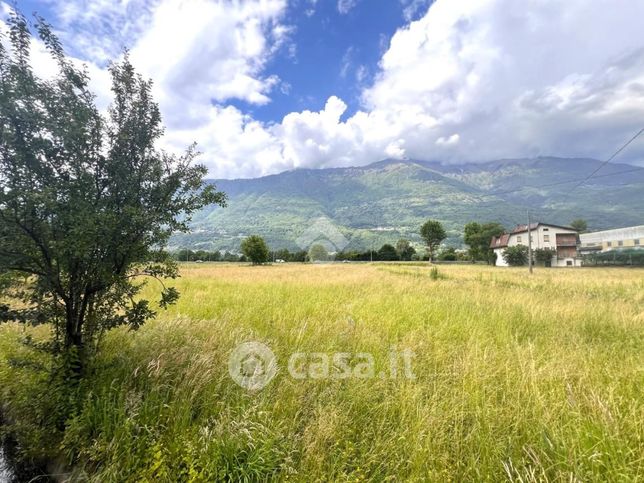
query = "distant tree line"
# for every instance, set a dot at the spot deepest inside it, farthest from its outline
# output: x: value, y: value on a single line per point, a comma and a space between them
x: 477, y: 237
x: 187, y: 255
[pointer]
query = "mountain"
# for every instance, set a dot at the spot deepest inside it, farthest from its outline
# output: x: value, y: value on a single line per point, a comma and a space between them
x: 390, y: 199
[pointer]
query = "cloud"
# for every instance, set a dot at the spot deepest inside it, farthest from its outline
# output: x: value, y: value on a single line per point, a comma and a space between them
x: 98, y: 30
x: 346, y: 62
x: 473, y: 81
x: 466, y: 81
x: 310, y: 8
x: 537, y: 78
x: 345, y: 6
x: 196, y: 51
x: 412, y: 7
x: 218, y: 52
x: 47, y: 68
x: 447, y: 141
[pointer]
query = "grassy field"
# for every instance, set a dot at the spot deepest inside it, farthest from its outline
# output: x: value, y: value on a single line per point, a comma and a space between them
x: 516, y: 378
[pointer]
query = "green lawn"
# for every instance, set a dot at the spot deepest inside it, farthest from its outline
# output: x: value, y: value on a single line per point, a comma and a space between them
x: 516, y: 377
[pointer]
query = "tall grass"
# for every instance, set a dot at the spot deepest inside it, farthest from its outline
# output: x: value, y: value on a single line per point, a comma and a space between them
x: 516, y: 377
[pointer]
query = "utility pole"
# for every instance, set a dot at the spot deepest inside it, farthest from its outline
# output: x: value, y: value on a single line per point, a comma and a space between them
x: 529, y: 244
x: 371, y: 252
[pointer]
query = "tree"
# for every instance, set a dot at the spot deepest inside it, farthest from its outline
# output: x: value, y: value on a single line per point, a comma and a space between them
x: 231, y: 257
x: 87, y: 202
x: 516, y: 256
x: 387, y: 253
x: 283, y: 254
x: 317, y: 253
x: 580, y: 225
x: 433, y: 234
x: 448, y: 255
x: 299, y: 256
x: 544, y: 255
x: 404, y: 250
x: 478, y: 236
x: 255, y: 249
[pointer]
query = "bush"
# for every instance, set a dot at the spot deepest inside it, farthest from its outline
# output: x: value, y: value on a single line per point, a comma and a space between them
x: 516, y: 256
x: 448, y: 255
x: 544, y: 255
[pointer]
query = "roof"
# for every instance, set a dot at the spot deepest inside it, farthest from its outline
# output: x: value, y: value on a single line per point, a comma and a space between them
x: 534, y: 226
x: 501, y: 241
x: 627, y: 233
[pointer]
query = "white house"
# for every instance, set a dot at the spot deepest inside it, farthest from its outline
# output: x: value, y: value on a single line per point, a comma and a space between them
x: 563, y: 239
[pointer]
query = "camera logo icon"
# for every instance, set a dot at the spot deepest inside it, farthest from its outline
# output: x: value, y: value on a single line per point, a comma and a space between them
x: 252, y: 365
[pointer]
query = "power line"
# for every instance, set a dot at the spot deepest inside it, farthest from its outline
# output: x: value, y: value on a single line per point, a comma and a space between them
x: 567, y: 195
x: 591, y: 175
x: 558, y: 183
x: 624, y: 146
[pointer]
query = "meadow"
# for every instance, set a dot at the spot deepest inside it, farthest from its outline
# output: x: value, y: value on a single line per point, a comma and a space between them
x: 517, y: 377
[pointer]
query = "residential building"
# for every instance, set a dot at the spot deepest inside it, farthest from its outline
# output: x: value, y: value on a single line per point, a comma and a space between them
x: 603, y: 241
x: 562, y: 239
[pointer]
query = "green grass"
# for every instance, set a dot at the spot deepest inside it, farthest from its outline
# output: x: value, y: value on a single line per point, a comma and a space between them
x: 521, y: 378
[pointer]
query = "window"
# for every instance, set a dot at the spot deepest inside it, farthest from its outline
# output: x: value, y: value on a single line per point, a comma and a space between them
x: 546, y: 229
x: 519, y: 239
x: 636, y: 241
x: 546, y: 238
x: 569, y: 262
x: 609, y: 244
x: 620, y: 243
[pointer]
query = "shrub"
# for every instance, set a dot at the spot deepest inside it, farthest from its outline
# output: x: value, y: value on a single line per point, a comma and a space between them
x: 448, y: 255
x: 544, y: 255
x: 516, y: 256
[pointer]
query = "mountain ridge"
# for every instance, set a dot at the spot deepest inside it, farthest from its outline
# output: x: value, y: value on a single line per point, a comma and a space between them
x: 389, y: 199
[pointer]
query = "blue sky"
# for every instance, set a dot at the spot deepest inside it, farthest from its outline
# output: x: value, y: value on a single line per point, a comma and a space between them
x: 336, y: 54
x: 268, y: 85
x: 333, y: 49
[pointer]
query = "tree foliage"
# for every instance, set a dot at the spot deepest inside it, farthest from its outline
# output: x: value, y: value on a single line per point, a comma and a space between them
x: 404, y: 249
x: 387, y: 253
x: 478, y: 236
x: 433, y: 234
x: 544, y: 255
x: 318, y: 253
x: 516, y: 256
x: 580, y: 225
x: 87, y: 202
x: 448, y: 255
x: 255, y: 249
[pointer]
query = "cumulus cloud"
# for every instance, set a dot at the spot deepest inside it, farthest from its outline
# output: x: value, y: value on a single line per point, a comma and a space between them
x: 540, y: 77
x: 201, y: 51
x: 473, y: 81
x: 197, y: 51
x: 467, y: 81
